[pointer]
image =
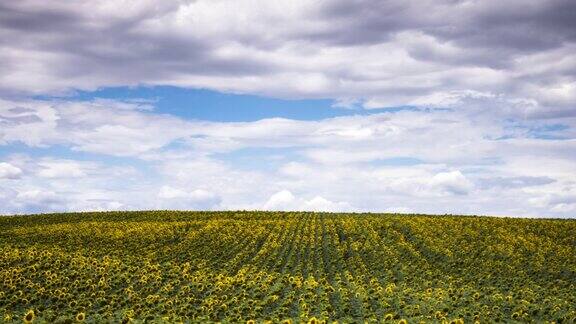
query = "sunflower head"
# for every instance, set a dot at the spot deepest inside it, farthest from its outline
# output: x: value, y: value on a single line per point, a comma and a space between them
x: 402, y: 321
x: 80, y: 317
x: 313, y: 320
x: 389, y: 317
x: 29, y: 317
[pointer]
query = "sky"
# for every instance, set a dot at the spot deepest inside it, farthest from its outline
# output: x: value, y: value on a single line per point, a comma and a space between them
x: 404, y: 106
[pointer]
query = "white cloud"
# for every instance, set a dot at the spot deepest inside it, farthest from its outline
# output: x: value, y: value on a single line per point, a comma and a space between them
x: 60, y: 169
x: 431, y: 161
x: 564, y: 208
x: 319, y: 203
x: 9, y: 171
x: 454, y: 182
x: 284, y: 200
x: 36, y: 196
x: 183, y: 199
x: 29, y: 199
x: 167, y: 192
x: 398, y: 210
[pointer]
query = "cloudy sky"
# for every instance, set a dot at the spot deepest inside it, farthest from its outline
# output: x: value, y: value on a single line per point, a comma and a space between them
x: 430, y: 106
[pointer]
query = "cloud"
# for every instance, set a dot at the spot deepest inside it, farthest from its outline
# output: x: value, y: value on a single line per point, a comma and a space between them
x: 284, y: 200
x: 40, y: 199
x: 319, y: 203
x: 514, y: 182
x: 8, y: 171
x: 398, y: 210
x: 183, y: 199
x: 86, y: 126
x: 61, y: 169
x: 37, y: 196
x: 564, y: 208
x: 453, y: 182
x: 35, y: 200
x: 370, y: 53
x: 423, y: 160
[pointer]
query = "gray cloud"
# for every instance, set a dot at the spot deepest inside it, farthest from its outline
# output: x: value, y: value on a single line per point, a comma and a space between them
x: 514, y: 182
x: 382, y: 53
x: 510, y: 26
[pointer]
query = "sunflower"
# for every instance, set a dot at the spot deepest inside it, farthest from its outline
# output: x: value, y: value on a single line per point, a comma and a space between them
x: 402, y: 321
x: 29, y: 317
x: 389, y: 317
x: 80, y: 317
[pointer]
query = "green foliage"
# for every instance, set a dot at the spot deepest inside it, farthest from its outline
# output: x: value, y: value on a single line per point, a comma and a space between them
x: 234, y: 267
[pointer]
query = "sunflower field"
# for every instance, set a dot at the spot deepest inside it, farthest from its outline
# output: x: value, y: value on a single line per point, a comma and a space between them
x: 280, y: 267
